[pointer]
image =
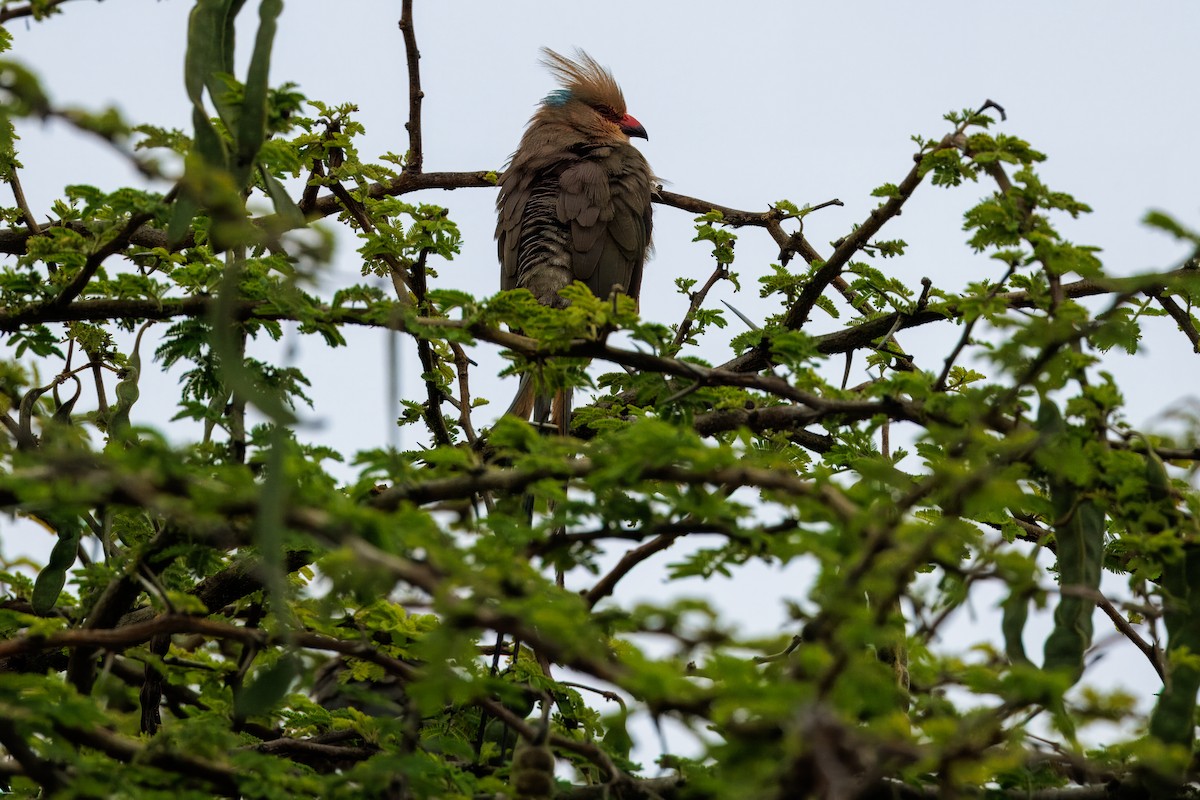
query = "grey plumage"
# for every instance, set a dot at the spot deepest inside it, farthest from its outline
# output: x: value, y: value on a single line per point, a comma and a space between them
x: 574, y: 201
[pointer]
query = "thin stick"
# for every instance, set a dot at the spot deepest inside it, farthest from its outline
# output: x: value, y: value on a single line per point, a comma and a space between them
x: 416, y: 157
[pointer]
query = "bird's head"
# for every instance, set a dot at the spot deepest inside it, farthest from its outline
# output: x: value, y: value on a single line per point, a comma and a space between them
x: 590, y: 101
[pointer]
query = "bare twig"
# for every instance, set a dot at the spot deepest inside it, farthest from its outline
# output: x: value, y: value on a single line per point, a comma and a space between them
x: 306, y: 750
x: 797, y: 315
x: 19, y: 196
x: 604, y: 587
x: 400, y: 275
x: 790, y: 418
x: 940, y: 384
x: 830, y: 270
x: 1120, y: 623
x: 1181, y: 317
x: 416, y: 157
x: 696, y: 301
x: 429, y: 365
x: 462, y: 366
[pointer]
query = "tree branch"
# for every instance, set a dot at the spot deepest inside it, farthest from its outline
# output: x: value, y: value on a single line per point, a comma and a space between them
x: 416, y: 158
x: 605, y: 586
x: 44, y: 10
x: 19, y: 197
x: 1181, y: 317
x: 80, y: 281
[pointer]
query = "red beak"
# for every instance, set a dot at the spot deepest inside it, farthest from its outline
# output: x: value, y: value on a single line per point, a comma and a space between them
x: 631, y: 127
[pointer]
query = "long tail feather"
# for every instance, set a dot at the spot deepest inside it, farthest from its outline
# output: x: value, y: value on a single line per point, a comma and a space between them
x: 523, y: 402
x: 561, y: 411
x: 546, y: 411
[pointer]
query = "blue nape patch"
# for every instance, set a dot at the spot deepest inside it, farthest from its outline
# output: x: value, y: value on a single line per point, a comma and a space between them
x: 558, y: 97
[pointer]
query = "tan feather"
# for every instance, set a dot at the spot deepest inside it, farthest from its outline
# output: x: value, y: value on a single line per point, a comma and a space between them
x: 586, y: 79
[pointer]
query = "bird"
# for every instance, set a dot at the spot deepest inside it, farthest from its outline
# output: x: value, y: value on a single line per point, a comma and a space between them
x: 574, y: 205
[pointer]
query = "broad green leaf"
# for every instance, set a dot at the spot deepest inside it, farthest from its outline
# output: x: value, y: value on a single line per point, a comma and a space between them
x: 1079, y: 539
x: 252, y: 121
x: 53, y: 577
x: 1174, y: 717
x: 1012, y: 625
x: 269, y: 687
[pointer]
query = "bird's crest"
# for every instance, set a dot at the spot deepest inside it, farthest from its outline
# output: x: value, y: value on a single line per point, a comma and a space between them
x: 582, y: 79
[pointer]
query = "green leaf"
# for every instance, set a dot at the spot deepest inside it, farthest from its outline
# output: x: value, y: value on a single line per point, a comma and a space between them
x: 182, y: 213
x: 252, y: 119
x: 1080, y: 557
x: 269, y: 687
x: 285, y: 207
x: 209, y: 53
x: 1174, y: 717
x: 1015, y: 615
x: 1079, y: 540
x: 53, y: 577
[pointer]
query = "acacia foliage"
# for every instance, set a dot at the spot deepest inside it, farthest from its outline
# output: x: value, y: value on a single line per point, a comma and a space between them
x: 437, y: 656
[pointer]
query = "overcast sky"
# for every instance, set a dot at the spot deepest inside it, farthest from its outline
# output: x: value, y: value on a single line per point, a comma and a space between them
x: 797, y: 100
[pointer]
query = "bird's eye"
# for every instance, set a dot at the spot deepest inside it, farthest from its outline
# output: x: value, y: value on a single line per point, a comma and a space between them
x: 607, y: 111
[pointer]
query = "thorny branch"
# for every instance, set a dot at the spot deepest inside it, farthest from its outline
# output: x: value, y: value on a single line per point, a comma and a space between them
x: 940, y: 384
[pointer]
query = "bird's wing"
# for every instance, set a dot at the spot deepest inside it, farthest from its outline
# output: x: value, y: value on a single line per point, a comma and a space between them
x: 605, y: 198
x: 582, y: 216
x: 515, y: 192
